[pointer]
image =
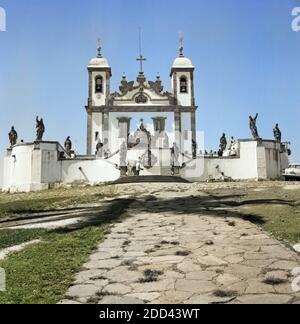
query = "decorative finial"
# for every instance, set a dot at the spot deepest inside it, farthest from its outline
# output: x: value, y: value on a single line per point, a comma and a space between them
x: 158, y: 76
x: 181, y: 47
x: 99, y: 48
x: 124, y: 76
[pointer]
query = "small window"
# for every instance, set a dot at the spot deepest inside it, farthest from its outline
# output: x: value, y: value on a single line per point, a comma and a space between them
x: 99, y: 84
x: 183, y: 85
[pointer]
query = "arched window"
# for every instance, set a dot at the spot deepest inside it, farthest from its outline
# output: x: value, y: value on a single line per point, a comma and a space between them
x: 99, y: 84
x: 183, y: 85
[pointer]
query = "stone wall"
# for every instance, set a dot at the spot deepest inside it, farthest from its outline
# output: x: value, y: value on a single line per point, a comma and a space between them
x: 255, y: 161
x: 35, y: 166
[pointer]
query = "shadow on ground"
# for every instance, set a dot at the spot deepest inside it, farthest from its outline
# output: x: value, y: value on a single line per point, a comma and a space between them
x: 116, y: 210
x: 210, y: 205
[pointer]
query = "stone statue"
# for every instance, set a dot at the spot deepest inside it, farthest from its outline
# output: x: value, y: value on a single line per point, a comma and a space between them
x: 123, y: 155
x: 223, y: 144
x: 166, y: 141
x: 68, y: 145
x: 40, y: 129
x: 277, y: 134
x: 13, y: 136
x: 253, y: 126
x: 175, y: 155
x: 99, y: 149
x: 194, y: 148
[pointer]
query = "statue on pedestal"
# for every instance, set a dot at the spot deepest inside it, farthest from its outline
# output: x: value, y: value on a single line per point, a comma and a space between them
x: 253, y: 126
x: 13, y: 137
x: 123, y: 155
x: 277, y: 134
x: 40, y: 129
x: 175, y: 152
x: 175, y: 155
x: 99, y: 149
x: 194, y: 149
x: 68, y: 145
x: 123, y: 158
x: 223, y: 145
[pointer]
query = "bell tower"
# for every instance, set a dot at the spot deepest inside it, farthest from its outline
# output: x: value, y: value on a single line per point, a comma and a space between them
x: 99, y: 72
x: 182, y: 78
x: 182, y: 75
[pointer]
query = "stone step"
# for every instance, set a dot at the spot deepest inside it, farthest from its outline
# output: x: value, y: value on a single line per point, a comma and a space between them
x: 151, y: 179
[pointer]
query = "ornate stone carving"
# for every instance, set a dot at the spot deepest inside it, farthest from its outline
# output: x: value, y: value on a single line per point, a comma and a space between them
x: 141, y: 98
x: 156, y: 86
x: 112, y: 98
x: 125, y: 86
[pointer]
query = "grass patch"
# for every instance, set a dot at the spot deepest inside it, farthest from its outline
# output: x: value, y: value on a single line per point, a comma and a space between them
x: 11, y: 205
x: 151, y: 276
x: 9, y: 238
x: 42, y: 273
x: 183, y: 253
x: 275, y: 208
x: 275, y: 281
x: 225, y: 293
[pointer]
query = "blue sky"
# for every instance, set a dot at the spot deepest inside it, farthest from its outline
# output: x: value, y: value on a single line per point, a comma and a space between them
x: 245, y: 52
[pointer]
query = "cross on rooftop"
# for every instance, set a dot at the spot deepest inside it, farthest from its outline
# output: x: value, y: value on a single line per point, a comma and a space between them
x: 141, y: 58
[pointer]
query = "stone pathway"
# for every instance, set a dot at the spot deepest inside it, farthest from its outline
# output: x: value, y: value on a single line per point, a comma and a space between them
x: 173, y: 250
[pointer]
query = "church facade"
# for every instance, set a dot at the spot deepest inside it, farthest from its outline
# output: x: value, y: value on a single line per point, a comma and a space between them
x: 141, y: 114
x: 140, y: 129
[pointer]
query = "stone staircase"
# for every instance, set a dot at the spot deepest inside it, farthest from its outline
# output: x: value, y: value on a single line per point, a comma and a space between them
x: 151, y: 179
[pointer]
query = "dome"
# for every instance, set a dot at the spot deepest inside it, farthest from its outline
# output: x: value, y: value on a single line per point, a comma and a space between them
x: 99, y: 62
x: 183, y: 62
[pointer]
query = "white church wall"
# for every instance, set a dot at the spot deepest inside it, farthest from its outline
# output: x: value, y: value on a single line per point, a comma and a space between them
x: 91, y: 171
x: 31, y: 167
x: 6, y: 172
x: 255, y: 161
x: 243, y: 167
x: 186, y: 126
x: 276, y: 162
x: 96, y: 128
x: 114, y: 140
x: 284, y: 158
x: 20, y: 167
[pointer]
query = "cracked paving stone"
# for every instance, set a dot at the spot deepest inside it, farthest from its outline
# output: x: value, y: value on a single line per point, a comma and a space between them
x: 265, y: 299
x: 120, y: 300
x: 81, y: 291
x: 117, y: 289
x: 195, y: 286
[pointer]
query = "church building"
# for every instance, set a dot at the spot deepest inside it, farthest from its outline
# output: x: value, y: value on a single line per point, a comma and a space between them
x: 112, y: 117
x: 140, y: 130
